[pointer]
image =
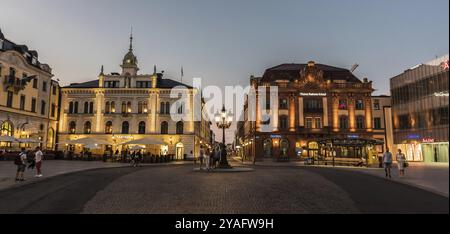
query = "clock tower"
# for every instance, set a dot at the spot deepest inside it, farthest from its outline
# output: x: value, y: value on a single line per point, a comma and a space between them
x: 129, y: 64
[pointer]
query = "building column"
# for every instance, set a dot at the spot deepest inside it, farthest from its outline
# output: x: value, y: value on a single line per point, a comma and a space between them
x: 258, y: 113
x: 335, y: 110
x: 99, y: 98
x: 292, y: 114
x: 368, y: 113
x: 351, y: 114
x: 275, y: 111
x: 154, y: 111
x: 325, y: 111
x: 301, y: 119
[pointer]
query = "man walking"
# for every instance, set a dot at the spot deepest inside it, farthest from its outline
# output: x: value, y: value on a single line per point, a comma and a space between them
x: 38, y: 159
x: 21, y: 161
x: 387, y: 161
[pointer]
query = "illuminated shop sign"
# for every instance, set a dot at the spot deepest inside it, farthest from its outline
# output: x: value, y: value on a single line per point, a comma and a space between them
x: 413, y: 136
x: 353, y: 136
x: 428, y: 140
x: 441, y: 94
x: 275, y: 136
x: 313, y: 94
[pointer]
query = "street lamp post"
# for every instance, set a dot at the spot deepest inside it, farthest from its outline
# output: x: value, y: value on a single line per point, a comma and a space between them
x: 223, y: 121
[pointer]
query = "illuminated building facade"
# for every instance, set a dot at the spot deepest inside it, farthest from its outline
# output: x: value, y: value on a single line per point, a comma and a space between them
x: 420, y: 111
x: 29, y: 97
x: 317, y: 105
x: 120, y: 107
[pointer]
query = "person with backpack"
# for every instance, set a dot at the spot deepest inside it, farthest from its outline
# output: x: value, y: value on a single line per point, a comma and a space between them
x: 21, y: 162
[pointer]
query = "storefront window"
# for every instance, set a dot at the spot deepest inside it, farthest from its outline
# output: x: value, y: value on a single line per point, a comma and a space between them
x: 267, y: 148
x: 284, y: 148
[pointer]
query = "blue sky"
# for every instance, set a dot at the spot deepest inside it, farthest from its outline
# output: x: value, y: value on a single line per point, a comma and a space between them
x: 224, y: 42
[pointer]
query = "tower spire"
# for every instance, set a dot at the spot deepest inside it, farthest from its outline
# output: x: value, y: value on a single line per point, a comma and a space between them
x: 131, y: 39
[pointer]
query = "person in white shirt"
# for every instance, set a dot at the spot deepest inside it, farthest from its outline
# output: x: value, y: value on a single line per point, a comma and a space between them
x: 387, y: 161
x: 38, y: 159
x: 401, y: 161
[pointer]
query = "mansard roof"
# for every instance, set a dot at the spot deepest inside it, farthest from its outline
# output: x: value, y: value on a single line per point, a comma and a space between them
x: 162, y: 84
x: 291, y: 72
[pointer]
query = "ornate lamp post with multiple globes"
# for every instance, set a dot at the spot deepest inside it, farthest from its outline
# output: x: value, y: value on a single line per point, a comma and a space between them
x: 223, y: 120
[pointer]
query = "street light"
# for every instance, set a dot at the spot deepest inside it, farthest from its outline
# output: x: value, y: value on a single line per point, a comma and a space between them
x: 223, y: 120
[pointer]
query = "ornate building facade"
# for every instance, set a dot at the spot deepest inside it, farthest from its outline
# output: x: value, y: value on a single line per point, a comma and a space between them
x: 120, y: 107
x: 29, y: 97
x: 320, y: 111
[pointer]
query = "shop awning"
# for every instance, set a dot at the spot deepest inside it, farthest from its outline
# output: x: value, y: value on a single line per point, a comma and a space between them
x: 144, y: 141
x: 29, y: 140
x: 356, y: 142
x: 86, y: 141
x: 7, y: 139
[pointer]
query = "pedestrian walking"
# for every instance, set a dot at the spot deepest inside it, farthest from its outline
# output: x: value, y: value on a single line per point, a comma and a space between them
x: 202, y: 157
x: 211, y: 158
x: 387, y: 161
x: 207, y: 159
x: 21, y: 162
x: 401, y: 162
x: 38, y: 157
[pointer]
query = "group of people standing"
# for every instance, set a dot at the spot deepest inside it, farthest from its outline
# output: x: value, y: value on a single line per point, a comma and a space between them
x: 402, y: 163
x: 210, y: 158
x: 31, y: 158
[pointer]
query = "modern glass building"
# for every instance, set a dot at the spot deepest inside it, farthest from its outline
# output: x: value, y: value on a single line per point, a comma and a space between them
x: 420, y: 111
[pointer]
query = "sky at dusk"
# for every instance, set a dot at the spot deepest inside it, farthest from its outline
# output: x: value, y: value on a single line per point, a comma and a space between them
x: 224, y: 42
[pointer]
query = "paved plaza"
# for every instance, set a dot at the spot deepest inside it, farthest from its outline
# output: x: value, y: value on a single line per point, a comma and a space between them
x: 179, y: 189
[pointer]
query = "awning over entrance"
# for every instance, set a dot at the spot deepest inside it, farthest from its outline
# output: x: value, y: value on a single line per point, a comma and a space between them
x: 87, y: 141
x: 349, y: 142
x: 144, y: 141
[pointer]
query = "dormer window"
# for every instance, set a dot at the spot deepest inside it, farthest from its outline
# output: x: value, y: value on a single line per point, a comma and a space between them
x: 34, y: 60
x: 1, y: 44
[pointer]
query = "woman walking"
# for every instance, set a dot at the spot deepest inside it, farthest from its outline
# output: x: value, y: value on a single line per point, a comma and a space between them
x: 401, y: 162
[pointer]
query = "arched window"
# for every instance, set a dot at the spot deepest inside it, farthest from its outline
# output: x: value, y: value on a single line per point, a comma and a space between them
x: 124, y: 108
x: 72, y: 127
x: 129, y: 107
x: 343, y: 122
x: 125, y: 127
x: 164, y: 128
x: 75, y: 108
x: 107, y: 108
x: 113, y: 107
x: 70, y: 107
x: 86, y: 107
x: 267, y: 146
x: 180, y: 108
x: 108, y: 127
x: 7, y: 129
x: 91, y: 107
x: 141, y: 128
x: 162, y: 108
x: 284, y: 147
x: 360, y: 122
x: 167, y: 108
x: 87, y: 127
x: 140, y: 108
x: 180, y: 128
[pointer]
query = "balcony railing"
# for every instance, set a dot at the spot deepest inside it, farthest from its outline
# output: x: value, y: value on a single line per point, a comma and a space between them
x: 12, y: 83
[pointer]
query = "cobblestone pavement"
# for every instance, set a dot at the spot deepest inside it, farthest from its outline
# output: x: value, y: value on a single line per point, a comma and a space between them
x: 178, y: 189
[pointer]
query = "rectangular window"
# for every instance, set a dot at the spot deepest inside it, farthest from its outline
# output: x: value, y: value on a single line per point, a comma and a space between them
x: 318, y: 123
x: 309, y: 123
x: 35, y: 83
x: 377, y: 123
x: 33, y: 105
x: 44, y: 86
x: 284, y: 104
x: 54, y: 88
x: 343, y: 104
x: 22, y: 102
x: 376, y: 104
x: 9, y: 99
x: 53, y: 113
x: 42, y: 107
x: 360, y: 104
